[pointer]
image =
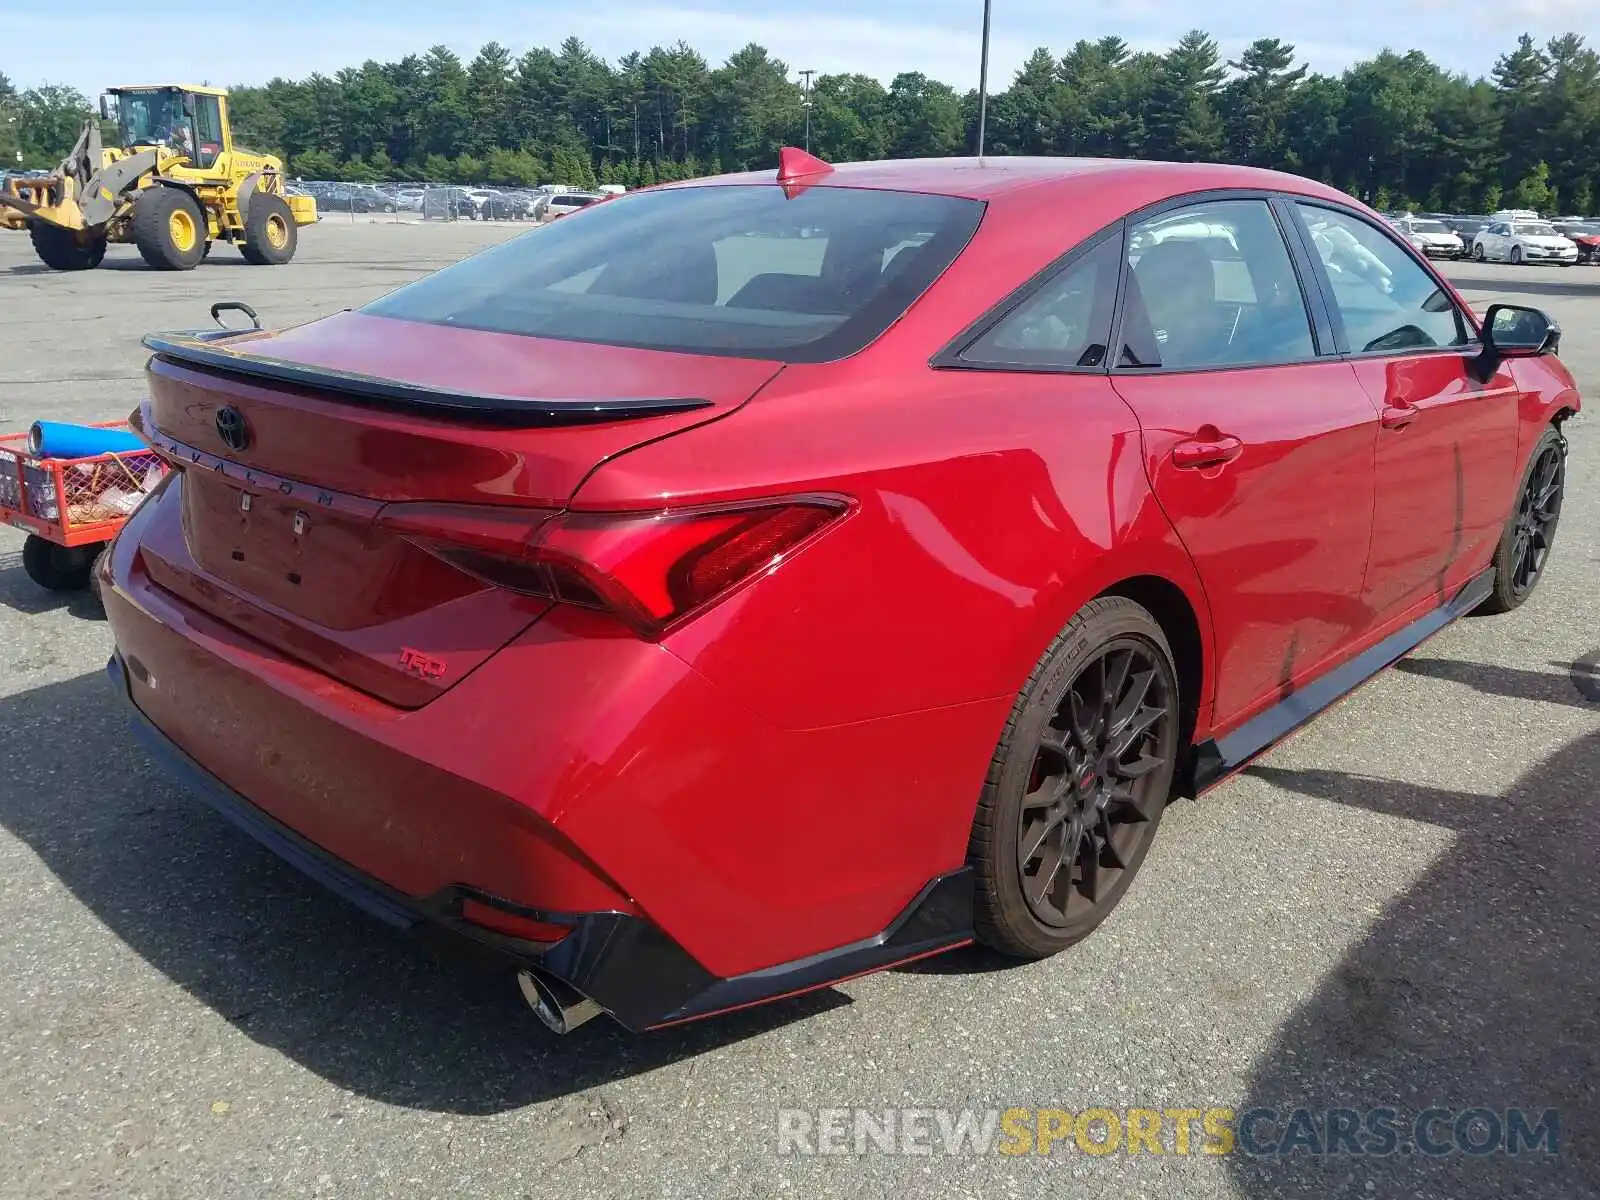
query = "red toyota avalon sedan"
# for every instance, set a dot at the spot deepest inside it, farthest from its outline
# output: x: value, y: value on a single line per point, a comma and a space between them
x: 743, y: 585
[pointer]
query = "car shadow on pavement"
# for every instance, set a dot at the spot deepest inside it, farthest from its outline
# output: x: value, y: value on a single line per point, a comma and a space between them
x: 1587, y: 283
x: 19, y: 592
x: 123, y: 264
x: 1514, y: 683
x: 289, y: 965
x: 1479, y: 988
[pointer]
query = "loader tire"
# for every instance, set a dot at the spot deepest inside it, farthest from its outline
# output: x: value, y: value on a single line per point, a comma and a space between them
x: 63, y: 250
x: 270, y: 234
x: 169, y: 228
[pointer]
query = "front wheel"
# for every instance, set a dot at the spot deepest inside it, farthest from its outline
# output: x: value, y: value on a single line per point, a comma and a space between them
x: 169, y: 227
x: 1525, y: 543
x: 1516, y: 256
x: 1078, y: 785
x: 65, y: 249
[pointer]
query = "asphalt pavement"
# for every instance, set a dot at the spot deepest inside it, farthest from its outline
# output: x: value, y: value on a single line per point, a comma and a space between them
x: 1396, y: 909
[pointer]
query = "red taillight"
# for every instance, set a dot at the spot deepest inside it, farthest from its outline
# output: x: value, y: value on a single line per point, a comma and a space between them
x: 651, y: 570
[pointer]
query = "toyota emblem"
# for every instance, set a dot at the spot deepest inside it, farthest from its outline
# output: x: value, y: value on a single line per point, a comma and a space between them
x: 235, y: 434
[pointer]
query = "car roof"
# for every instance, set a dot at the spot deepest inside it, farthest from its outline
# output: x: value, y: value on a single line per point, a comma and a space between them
x: 994, y: 177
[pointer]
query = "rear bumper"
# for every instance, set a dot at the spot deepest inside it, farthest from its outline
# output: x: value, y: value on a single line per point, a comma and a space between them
x: 702, y: 857
x: 627, y: 965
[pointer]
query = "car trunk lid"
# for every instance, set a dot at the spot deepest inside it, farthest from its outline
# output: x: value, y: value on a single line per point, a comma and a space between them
x: 290, y: 445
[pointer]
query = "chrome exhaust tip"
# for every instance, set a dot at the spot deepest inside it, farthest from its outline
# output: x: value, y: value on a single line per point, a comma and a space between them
x: 559, y: 1005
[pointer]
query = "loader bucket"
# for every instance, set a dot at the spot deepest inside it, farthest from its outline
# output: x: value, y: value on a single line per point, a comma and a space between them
x: 46, y: 198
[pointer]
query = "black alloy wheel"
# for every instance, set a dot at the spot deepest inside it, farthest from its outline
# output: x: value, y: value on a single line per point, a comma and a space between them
x: 1087, y: 817
x: 1538, y: 511
x: 1525, y: 544
x: 1079, y: 783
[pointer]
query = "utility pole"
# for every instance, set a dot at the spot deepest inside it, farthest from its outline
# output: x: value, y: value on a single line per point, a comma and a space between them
x: 983, y: 80
x: 805, y: 103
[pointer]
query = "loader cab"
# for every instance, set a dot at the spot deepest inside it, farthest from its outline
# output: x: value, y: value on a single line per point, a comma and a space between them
x: 190, y: 120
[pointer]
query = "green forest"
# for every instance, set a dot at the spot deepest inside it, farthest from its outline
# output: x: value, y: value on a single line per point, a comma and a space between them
x: 1396, y: 129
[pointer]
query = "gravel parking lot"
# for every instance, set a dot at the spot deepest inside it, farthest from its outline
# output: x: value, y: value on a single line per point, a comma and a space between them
x: 1398, y: 908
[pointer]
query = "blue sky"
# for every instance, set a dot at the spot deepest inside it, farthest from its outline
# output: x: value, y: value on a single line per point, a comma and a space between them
x: 96, y: 43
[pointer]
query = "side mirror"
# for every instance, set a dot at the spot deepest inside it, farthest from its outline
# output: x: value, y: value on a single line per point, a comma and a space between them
x: 108, y: 110
x: 1514, y: 331
x: 188, y: 105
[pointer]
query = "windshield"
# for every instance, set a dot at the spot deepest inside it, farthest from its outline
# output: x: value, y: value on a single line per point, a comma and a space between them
x: 1428, y: 227
x: 1534, y: 229
x: 742, y: 270
x: 151, y: 118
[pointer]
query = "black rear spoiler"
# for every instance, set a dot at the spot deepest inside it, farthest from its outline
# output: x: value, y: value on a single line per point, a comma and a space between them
x: 201, y: 349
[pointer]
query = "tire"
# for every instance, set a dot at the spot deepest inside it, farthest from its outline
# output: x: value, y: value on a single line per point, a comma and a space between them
x: 169, y: 228
x: 1055, y: 749
x: 1516, y: 256
x: 100, y: 552
x: 1477, y: 253
x: 63, y: 250
x: 1529, y: 535
x: 270, y: 234
x: 57, y: 568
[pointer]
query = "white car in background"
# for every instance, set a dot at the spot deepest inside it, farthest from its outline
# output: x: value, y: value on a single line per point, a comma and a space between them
x: 1523, y: 240
x: 562, y: 203
x: 1433, y: 238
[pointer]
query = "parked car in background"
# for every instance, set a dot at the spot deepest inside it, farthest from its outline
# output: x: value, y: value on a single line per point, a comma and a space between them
x: 448, y: 204
x: 1585, y: 235
x: 649, y: 603
x: 1466, y: 228
x: 1433, y: 237
x: 1521, y: 240
x: 562, y: 203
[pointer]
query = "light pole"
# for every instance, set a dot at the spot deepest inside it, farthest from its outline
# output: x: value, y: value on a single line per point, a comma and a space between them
x: 983, y: 80
x: 805, y: 103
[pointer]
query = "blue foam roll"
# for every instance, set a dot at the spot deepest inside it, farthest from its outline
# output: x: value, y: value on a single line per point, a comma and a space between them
x: 57, y: 439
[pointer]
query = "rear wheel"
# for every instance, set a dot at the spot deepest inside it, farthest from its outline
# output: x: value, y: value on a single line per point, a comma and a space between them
x: 58, y: 568
x: 1477, y: 253
x: 1525, y: 543
x: 64, y: 250
x: 1079, y: 783
x: 270, y: 234
x: 169, y: 228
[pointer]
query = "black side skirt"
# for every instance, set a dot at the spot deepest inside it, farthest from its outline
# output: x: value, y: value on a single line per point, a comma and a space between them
x: 1217, y: 758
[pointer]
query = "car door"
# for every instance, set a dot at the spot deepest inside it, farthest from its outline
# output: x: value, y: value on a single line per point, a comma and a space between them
x: 1259, y: 450
x: 1447, y: 445
x: 1497, y: 241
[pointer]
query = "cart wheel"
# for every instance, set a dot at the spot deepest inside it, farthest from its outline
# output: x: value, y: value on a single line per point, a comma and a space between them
x: 100, y: 551
x: 58, y: 568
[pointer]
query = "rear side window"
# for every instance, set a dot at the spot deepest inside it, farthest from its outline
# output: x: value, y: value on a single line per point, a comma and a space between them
x: 1065, y: 323
x: 743, y: 270
x: 1387, y: 302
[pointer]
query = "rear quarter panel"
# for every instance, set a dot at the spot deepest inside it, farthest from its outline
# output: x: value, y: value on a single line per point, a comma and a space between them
x: 988, y: 508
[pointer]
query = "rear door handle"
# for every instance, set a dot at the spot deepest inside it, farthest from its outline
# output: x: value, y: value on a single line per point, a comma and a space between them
x: 1213, y: 452
x: 1398, y: 416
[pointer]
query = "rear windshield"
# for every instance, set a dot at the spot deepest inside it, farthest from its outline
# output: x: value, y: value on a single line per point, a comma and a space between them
x: 742, y: 270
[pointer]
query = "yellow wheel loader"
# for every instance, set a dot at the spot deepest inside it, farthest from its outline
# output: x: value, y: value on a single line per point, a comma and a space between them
x: 174, y: 184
